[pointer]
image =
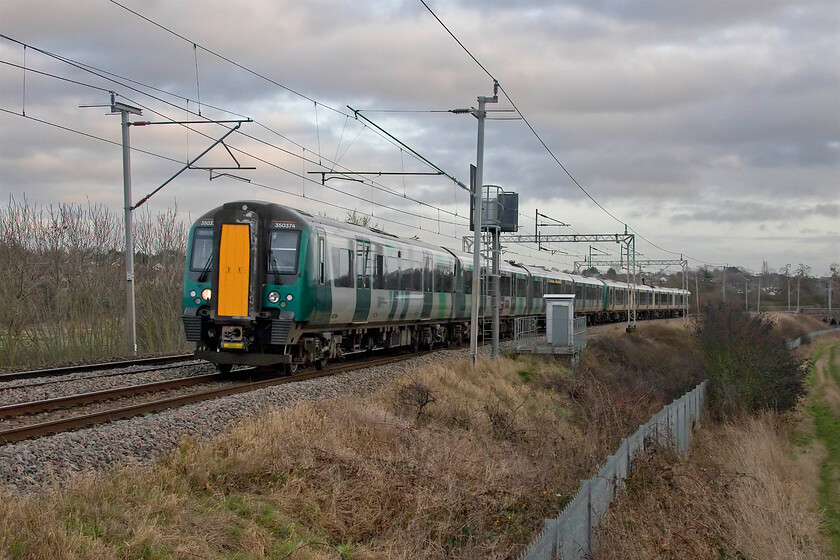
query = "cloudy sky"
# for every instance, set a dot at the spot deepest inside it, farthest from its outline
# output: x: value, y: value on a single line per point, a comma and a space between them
x: 710, y: 128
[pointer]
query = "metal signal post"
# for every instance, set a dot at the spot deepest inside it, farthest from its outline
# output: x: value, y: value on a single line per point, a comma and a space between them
x: 124, y: 110
x: 481, y: 115
x: 130, y: 317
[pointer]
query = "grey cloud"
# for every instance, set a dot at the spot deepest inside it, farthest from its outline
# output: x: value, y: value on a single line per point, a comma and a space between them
x: 738, y: 211
x: 658, y: 108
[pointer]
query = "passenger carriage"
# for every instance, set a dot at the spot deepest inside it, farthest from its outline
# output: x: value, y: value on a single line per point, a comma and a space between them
x: 589, y: 297
x: 265, y: 284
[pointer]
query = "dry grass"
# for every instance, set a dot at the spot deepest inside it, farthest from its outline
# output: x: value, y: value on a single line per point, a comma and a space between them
x: 792, y: 326
x: 743, y: 493
x: 758, y: 487
x: 451, y: 462
x: 824, y: 383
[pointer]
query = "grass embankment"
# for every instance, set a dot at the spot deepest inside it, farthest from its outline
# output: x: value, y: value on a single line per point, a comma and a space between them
x: 755, y: 485
x: 823, y: 406
x: 449, y: 462
x: 744, y: 492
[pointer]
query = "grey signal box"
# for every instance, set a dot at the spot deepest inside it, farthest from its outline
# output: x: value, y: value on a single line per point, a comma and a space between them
x: 559, y: 324
x: 564, y: 332
x: 500, y: 210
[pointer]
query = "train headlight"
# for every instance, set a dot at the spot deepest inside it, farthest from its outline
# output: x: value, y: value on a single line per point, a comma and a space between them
x: 192, y: 293
x: 206, y: 294
x: 282, y: 304
x: 273, y: 297
x: 289, y: 297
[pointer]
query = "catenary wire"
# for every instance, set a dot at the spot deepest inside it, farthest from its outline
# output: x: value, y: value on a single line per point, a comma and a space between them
x: 543, y: 143
x: 99, y: 73
x: 103, y: 74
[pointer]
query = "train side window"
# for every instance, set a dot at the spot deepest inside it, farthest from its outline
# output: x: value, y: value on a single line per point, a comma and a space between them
x: 468, y: 280
x: 322, y: 260
x: 379, y: 273
x: 427, y: 274
x: 370, y: 268
x: 342, y: 268
x: 504, y: 289
x: 416, y: 277
x: 392, y: 273
x: 537, y: 285
x: 443, y: 279
x: 521, y: 285
x: 405, y: 274
x: 362, y: 265
x: 202, y: 249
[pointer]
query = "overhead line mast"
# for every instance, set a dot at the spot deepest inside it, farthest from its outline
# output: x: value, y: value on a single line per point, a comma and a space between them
x: 124, y: 110
x: 477, y: 190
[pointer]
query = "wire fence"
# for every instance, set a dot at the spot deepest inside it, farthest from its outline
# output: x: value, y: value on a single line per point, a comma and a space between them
x: 808, y: 337
x: 569, y: 536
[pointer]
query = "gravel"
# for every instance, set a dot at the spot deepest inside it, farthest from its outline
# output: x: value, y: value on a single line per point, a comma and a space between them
x: 35, y: 465
x: 41, y: 388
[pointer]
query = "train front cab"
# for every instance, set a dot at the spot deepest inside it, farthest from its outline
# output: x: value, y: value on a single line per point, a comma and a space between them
x: 241, y: 284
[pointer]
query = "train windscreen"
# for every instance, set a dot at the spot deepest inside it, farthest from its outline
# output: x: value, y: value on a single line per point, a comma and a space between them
x: 202, y: 249
x: 283, y: 251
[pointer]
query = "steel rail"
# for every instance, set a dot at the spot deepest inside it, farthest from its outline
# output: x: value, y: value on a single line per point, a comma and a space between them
x: 11, y: 376
x: 32, y: 407
x: 41, y: 429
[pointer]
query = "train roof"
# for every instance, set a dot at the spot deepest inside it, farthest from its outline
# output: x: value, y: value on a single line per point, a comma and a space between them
x: 586, y: 280
x: 545, y: 273
x: 614, y: 283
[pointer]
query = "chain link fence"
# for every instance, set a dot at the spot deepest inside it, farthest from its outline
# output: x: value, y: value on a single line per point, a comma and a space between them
x: 569, y: 536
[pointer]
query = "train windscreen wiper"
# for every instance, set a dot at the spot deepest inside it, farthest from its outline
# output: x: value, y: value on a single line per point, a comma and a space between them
x: 203, y: 276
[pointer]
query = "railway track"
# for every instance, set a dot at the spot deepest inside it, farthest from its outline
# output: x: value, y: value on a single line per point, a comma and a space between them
x: 68, y: 370
x: 15, y: 424
x: 115, y: 407
x: 70, y: 378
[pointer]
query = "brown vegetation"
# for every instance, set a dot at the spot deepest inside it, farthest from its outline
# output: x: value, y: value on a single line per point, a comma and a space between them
x: 451, y: 462
x: 742, y: 493
x: 62, y: 283
x: 792, y: 326
x: 755, y: 486
x: 747, y: 362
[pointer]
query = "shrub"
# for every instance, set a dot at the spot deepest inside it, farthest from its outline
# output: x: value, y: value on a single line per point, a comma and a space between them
x: 747, y: 362
x: 62, y: 283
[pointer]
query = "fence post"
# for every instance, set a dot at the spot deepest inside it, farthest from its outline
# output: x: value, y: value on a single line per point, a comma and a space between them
x: 655, y: 421
x: 677, y: 421
x: 588, y: 515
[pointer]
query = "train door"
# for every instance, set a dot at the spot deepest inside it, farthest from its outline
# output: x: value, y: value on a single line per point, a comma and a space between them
x: 322, y: 307
x: 342, y: 253
x: 427, y: 285
x: 234, y: 270
x: 364, y: 267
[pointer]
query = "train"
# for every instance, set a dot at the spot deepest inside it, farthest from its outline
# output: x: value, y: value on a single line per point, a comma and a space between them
x: 270, y: 285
